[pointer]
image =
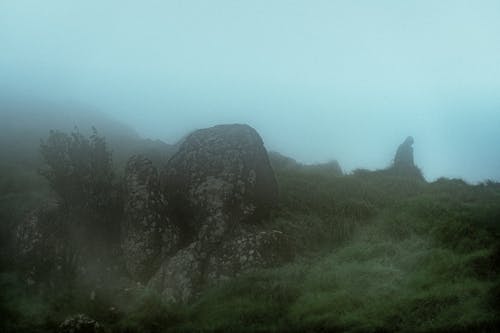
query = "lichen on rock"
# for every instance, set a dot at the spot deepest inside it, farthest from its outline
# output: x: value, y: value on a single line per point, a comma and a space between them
x: 147, y: 232
x: 221, y: 184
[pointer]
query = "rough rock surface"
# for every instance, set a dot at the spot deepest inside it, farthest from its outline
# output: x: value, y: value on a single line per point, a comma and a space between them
x: 80, y: 323
x: 220, y: 182
x: 247, y: 250
x: 222, y: 170
x: 147, y: 233
x: 184, y: 275
x: 180, y: 276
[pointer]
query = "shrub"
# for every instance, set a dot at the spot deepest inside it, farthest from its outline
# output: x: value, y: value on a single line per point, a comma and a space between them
x: 80, y: 171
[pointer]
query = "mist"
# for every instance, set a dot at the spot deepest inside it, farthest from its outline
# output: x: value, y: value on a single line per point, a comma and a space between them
x: 318, y: 80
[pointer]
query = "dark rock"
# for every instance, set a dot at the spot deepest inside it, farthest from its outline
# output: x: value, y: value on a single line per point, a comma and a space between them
x: 248, y: 250
x: 147, y: 233
x: 403, y: 164
x: 223, y: 170
x: 184, y: 276
x: 222, y: 185
x: 180, y: 276
x: 80, y: 323
x: 404, y: 154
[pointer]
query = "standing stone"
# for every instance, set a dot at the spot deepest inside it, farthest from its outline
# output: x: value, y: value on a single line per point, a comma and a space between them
x: 403, y: 164
x: 404, y: 154
x: 147, y: 233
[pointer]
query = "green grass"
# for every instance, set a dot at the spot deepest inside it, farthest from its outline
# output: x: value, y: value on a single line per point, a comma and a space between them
x: 374, y: 283
x: 374, y: 252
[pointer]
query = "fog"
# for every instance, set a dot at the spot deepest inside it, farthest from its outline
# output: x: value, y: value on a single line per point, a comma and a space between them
x: 319, y: 80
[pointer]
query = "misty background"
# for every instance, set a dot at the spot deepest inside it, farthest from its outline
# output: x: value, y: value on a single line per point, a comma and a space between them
x: 319, y: 80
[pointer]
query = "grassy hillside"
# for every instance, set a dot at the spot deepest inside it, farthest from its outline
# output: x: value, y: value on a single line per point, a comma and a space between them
x: 373, y: 252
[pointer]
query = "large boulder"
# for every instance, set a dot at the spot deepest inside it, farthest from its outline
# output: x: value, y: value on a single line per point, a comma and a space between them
x: 198, y: 265
x: 221, y: 184
x: 222, y: 170
x: 147, y: 233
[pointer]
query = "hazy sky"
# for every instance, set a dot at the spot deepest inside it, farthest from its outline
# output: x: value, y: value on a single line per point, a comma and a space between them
x: 320, y: 80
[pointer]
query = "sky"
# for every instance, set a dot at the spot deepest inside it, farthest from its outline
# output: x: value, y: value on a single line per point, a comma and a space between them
x: 319, y: 80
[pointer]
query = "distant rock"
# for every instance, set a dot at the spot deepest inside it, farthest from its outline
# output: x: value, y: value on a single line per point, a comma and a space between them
x: 220, y: 182
x: 281, y: 162
x: 403, y: 164
x: 331, y: 168
x: 404, y: 154
x: 147, y: 233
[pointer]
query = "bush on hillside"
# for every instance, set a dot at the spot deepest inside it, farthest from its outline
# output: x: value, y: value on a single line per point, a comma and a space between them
x: 80, y: 171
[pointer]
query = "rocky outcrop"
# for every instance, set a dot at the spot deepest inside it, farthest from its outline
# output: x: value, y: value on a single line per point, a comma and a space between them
x: 147, y: 233
x: 247, y: 250
x: 403, y: 164
x: 198, y: 223
x: 221, y: 183
x: 184, y: 275
x: 404, y: 154
x: 181, y: 276
x: 221, y: 170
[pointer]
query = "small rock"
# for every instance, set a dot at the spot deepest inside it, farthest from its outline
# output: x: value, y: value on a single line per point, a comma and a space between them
x: 80, y: 323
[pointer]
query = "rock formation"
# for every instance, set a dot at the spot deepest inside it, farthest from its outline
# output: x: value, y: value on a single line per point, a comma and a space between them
x: 220, y: 183
x: 404, y: 154
x: 197, y: 223
x: 223, y: 170
x: 147, y: 233
x: 403, y: 164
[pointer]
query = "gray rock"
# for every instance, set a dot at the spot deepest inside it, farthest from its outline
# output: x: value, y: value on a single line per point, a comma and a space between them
x: 404, y: 154
x: 199, y: 265
x: 222, y: 170
x: 180, y: 277
x: 403, y: 164
x: 80, y: 323
x: 221, y: 183
x: 248, y: 250
x: 148, y: 236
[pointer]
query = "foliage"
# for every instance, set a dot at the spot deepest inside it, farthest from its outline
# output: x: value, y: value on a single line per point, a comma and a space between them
x: 79, y: 169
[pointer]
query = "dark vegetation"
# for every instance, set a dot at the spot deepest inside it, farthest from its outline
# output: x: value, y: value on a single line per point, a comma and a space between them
x: 375, y: 251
